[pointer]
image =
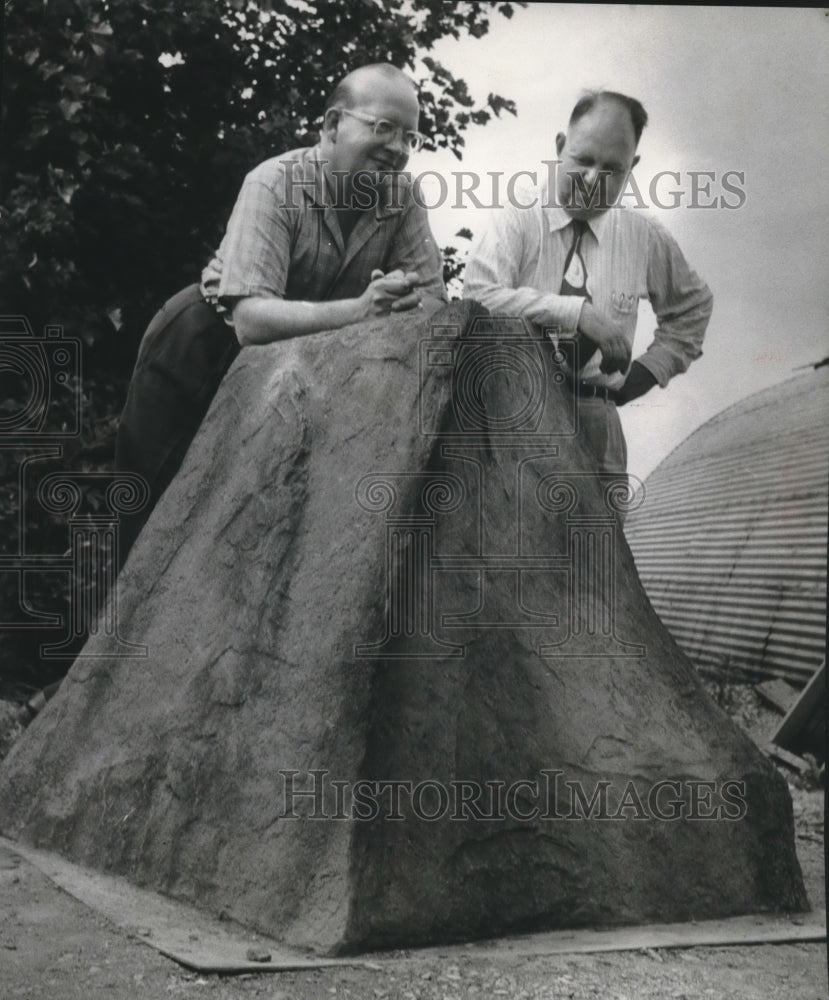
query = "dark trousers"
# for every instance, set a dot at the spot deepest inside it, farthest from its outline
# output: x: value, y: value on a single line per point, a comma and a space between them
x: 184, y: 355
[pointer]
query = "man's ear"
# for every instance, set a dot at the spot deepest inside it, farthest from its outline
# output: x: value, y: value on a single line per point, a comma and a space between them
x: 330, y: 122
x: 560, y: 140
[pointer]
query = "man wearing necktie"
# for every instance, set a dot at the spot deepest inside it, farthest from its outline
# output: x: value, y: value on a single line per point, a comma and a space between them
x: 573, y: 261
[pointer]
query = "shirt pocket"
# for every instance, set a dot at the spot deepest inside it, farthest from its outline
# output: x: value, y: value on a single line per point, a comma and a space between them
x: 624, y: 303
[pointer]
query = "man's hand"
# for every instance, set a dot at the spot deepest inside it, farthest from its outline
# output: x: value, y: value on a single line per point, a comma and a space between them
x: 638, y: 382
x: 605, y: 335
x: 392, y: 292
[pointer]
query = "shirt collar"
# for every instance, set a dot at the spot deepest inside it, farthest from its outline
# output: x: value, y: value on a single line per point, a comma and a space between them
x: 314, y: 186
x: 393, y: 191
x: 558, y: 219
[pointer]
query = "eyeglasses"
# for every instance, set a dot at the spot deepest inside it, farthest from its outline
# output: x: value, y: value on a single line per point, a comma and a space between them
x: 386, y: 131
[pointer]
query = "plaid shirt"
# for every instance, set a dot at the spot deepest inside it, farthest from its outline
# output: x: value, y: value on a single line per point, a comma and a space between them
x: 283, y: 239
x: 517, y: 266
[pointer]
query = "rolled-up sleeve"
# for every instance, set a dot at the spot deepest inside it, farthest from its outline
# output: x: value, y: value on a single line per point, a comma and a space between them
x: 255, y: 253
x: 682, y: 303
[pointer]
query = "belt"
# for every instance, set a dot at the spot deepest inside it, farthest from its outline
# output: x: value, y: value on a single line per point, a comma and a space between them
x: 589, y: 391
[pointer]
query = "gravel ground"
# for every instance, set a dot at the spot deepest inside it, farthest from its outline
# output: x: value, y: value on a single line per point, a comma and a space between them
x: 54, y: 947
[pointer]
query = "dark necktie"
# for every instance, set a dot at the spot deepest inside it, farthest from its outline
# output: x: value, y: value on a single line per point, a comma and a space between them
x: 574, y: 282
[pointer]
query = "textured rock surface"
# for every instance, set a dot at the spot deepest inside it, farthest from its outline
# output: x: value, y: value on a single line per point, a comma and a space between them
x: 384, y: 559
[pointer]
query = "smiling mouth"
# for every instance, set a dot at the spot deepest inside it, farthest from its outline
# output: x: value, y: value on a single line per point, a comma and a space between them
x: 384, y: 164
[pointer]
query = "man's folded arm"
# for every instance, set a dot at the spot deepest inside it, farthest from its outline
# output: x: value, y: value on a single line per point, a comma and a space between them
x: 260, y: 319
x: 492, y: 278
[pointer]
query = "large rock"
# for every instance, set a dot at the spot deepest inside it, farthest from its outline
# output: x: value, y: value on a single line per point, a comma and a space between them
x: 385, y: 559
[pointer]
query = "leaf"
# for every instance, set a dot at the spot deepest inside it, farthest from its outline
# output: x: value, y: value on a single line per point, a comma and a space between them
x: 49, y: 69
x: 66, y: 191
x: 69, y: 108
x: 499, y: 104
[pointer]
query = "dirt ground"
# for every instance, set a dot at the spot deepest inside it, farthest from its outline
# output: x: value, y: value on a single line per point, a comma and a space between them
x: 54, y: 947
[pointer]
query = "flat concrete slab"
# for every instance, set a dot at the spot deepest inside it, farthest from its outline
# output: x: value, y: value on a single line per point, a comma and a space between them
x: 743, y: 930
x: 189, y: 936
x: 199, y: 941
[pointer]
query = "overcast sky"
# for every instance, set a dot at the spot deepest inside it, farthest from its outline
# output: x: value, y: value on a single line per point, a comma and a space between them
x: 727, y: 89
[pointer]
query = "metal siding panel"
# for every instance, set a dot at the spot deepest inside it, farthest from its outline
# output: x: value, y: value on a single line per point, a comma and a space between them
x: 730, y: 541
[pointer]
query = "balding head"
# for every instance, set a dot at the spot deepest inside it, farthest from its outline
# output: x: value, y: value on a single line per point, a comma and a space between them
x: 588, y: 101
x: 362, y: 84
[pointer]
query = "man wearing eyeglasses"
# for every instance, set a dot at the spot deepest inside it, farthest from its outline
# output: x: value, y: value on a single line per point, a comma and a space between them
x: 319, y: 238
x: 313, y: 230
x: 575, y: 262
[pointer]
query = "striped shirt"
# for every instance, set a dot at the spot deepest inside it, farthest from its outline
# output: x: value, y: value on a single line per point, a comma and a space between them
x: 283, y: 239
x: 517, y: 265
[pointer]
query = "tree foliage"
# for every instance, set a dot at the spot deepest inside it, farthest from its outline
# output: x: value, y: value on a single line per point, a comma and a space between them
x: 128, y: 126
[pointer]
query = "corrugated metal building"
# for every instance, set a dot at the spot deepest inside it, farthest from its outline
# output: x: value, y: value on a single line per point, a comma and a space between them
x: 730, y: 541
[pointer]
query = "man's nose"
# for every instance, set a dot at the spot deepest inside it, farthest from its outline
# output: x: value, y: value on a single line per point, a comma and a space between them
x: 590, y: 175
x: 397, y: 143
